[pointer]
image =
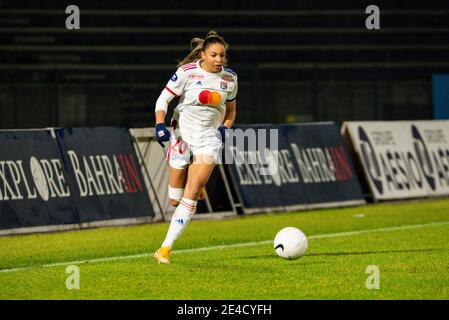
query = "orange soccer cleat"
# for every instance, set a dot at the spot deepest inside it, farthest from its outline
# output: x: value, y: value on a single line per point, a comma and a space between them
x: 162, y: 255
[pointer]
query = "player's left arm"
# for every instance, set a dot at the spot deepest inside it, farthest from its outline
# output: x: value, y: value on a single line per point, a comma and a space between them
x: 231, y: 112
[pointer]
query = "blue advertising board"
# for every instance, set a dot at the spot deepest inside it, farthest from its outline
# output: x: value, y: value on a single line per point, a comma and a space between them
x: 34, y: 187
x: 104, y: 173
x: 308, y: 166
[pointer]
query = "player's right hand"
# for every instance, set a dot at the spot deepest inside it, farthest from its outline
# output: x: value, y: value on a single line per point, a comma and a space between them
x: 162, y: 133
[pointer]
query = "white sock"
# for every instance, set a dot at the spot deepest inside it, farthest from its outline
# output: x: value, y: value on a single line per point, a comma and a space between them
x: 181, y: 217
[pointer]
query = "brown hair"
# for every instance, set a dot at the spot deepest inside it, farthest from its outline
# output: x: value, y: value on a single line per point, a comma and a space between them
x: 197, y: 45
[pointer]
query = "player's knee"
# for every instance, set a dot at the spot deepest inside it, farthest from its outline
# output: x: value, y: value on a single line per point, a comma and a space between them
x: 175, y: 195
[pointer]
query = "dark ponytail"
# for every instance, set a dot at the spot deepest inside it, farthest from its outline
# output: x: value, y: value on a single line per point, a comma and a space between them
x: 197, y: 45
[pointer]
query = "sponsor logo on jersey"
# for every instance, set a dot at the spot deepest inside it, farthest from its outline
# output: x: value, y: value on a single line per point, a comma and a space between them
x: 227, y: 77
x: 211, y: 98
x: 223, y: 85
x: 196, y: 76
x: 174, y: 77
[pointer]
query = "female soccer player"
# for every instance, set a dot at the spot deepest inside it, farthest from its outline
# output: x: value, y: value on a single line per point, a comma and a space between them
x: 207, y: 108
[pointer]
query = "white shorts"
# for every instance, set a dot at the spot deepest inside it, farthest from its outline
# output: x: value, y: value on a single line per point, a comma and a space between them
x: 180, y: 154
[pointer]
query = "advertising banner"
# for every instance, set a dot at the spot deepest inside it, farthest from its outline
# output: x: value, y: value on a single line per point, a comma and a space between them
x: 34, y: 187
x: 104, y: 172
x: 402, y: 159
x: 291, y: 167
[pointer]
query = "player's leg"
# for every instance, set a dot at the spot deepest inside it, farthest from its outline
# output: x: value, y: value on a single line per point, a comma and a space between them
x: 178, y: 158
x: 176, y: 183
x: 198, y: 174
x: 205, y: 159
x: 178, y: 164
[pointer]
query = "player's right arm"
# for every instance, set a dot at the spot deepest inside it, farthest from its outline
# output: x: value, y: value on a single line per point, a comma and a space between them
x: 174, y: 88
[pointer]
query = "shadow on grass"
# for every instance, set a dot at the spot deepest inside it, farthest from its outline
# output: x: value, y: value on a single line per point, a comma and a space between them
x: 274, y: 256
x: 303, y: 261
x: 376, y: 252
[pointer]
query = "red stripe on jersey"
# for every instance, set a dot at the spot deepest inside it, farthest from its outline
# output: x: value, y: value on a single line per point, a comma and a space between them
x: 169, y: 90
x: 170, y: 147
x: 168, y: 155
x: 189, y: 64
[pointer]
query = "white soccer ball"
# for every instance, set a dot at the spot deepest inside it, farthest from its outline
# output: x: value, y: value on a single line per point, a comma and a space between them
x: 290, y: 243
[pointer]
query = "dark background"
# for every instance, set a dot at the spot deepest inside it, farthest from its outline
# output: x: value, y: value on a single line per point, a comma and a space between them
x: 297, y: 61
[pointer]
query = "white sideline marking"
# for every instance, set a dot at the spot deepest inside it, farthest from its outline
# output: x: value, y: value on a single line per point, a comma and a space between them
x: 245, y: 244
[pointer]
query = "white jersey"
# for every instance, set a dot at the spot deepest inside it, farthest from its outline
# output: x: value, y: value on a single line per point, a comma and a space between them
x: 202, y: 105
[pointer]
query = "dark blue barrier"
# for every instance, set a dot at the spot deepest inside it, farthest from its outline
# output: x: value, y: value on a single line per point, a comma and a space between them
x: 263, y: 190
x: 440, y: 96
x: 34, y: 189
x: 105, y: 175
x: 325, y: 167
x: 312, y: 168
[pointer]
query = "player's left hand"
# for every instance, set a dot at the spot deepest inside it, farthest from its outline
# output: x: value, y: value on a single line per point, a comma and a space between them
x: 162, y: 134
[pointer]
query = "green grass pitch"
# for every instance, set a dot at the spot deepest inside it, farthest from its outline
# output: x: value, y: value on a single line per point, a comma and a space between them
x: 408, y: 242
